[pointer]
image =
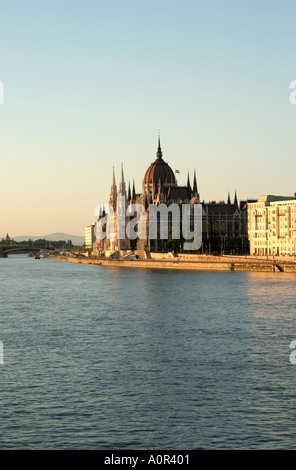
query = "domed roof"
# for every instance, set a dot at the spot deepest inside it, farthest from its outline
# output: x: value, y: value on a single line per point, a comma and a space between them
x: 159, y: 170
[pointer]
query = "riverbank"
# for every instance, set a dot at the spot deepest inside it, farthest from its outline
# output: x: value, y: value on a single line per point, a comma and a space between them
x: 192, y: 262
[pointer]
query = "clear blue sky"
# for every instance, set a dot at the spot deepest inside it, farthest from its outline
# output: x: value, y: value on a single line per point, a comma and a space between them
x: 87, y: 85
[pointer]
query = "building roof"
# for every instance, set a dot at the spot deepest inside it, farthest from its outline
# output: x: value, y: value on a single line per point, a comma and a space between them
x: 159, y: 171
x: 178, y: 193
x: 271, y: 198
x: 222, y: 209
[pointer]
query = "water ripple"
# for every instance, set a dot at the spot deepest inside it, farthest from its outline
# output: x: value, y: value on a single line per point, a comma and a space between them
x: 99, y: 358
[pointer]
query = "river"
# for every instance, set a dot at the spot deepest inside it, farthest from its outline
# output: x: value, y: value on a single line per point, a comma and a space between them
x: 121, y: 358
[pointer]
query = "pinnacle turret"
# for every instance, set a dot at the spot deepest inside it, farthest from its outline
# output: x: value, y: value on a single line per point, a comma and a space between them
x: 113, y: 192
x: 121, y: 188
x: 159, y: 152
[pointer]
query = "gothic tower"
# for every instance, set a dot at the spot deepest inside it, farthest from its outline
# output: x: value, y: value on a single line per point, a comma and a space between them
x: 113, y: 193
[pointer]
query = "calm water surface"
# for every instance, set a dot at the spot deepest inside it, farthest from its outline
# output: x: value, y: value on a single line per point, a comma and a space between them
x: 110, y: 358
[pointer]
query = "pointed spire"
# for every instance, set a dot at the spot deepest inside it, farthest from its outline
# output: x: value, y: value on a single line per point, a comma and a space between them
x: 113, y: 178
x: 159, y: 187
x: 188, y: 181
x: 189, y: 190
x: 194, y: 190
x: 235, y: 200
x: 134, y: 191
x: 159, y: 152
x: 228, y: 199
x: 113, y: 192
x: 129, y: 192
x: 121, y: 189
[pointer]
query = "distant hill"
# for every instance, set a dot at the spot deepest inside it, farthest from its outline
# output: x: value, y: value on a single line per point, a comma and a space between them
x: 76, y: 240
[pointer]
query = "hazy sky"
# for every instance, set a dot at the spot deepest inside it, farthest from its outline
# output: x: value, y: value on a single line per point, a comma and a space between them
x: 88, y: 84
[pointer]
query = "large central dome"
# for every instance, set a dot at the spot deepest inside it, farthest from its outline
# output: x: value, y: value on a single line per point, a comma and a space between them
x: 159, y: 170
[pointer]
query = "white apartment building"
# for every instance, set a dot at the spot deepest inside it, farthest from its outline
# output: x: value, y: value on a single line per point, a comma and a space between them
x: 272, y: 226
x: 89, y: 236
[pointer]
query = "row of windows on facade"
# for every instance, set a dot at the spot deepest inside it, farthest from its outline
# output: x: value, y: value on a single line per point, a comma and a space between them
x: 215, y: 226
x: 287, y: 243
x: 270, y: 251
x: 273, y: 234
x: 265, y: 228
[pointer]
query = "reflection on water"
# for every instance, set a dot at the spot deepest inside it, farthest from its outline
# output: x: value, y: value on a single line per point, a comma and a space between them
x: 105, y: 358
x: 272, y: 287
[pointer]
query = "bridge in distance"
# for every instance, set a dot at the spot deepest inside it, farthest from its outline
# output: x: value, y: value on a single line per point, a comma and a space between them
x: 14, y: 249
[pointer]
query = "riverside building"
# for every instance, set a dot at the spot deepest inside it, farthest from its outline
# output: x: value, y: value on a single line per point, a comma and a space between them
x: 272, y: 226
x: 89, y: 235
x: 220, y: 221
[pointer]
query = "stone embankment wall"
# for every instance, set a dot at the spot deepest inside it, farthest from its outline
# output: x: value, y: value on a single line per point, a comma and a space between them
x: 194, y: 263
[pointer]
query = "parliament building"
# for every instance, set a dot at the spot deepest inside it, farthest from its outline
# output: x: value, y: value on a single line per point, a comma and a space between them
x: 224, y: 224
